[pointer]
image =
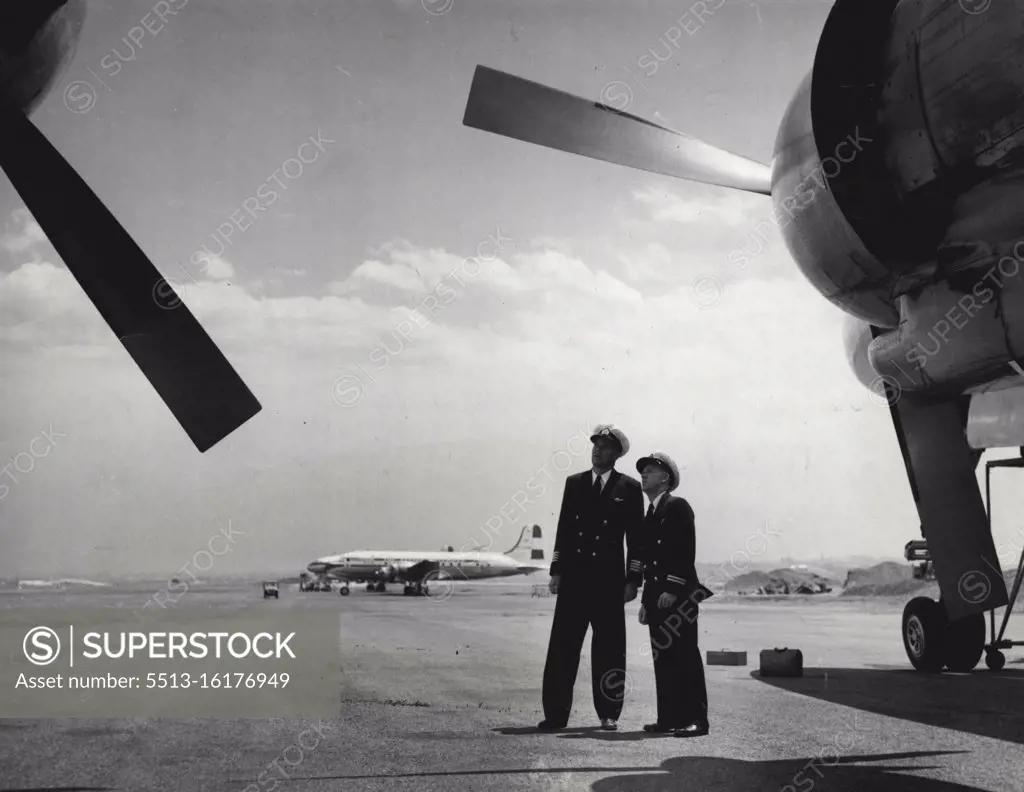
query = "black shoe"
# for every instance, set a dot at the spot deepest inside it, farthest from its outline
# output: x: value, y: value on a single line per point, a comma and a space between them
x: 550, y: 726
x: 695, y: 729
x: 657, y: 728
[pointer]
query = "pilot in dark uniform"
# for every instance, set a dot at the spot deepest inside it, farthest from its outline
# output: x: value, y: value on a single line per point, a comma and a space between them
x: 600, y: 507
x: 669, y: 602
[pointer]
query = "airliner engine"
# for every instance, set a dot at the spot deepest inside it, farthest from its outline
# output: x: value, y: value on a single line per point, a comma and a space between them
x: 387, y: 573
x: 897, y: 181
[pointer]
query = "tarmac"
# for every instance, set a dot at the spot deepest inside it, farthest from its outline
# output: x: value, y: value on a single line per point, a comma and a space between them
x: 444, y: 693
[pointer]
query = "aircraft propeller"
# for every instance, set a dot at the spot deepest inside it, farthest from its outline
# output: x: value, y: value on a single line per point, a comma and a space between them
x: 183, y: 364
x: 525, y: 110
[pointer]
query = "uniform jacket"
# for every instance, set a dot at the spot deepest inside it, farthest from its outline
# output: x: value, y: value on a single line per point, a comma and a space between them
x: 589, y: 539
x: 669, y: 546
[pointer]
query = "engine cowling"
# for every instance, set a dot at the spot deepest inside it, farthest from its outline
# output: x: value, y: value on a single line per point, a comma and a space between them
x: 897, y: 181
x: 821, y: 240
x: 387, y: 573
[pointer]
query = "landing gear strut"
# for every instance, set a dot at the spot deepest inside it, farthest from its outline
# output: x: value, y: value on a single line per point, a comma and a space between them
x: 931, y: 640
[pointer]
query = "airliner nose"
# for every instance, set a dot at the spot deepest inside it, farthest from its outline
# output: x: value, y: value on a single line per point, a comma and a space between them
x: 317, y: 567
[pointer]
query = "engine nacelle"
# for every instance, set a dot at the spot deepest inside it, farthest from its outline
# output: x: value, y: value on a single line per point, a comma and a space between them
x: 897, y: 182
x: 387, y: 573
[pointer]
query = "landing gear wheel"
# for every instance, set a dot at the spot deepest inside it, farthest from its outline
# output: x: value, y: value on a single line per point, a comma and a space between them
x: 369, y: 586
x: 924, y: 623
x: 965, y: 641
x: 343, y: 591
x: 995, y: 659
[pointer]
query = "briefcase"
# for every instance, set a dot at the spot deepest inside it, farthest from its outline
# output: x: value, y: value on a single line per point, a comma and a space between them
x: 782, y: 662
x: 726, y: 657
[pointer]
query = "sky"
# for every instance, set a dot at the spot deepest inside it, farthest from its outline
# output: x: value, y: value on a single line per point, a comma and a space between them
x: 564, y: 293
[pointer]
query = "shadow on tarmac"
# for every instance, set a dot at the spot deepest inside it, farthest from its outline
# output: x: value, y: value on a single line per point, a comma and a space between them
x: 697, y: 774
x: 985, y: 703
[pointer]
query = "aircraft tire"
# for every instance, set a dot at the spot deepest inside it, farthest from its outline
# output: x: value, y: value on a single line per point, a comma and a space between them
x: 924, y: 623
x: 343, y: 591
x: 965, y: 642
x: 995, y: 659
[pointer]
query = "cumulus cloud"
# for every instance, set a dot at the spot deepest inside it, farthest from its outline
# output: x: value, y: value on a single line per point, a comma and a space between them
x: 217, y: 268
x: 395, y: 275
x: 27, y: 235
x: 696, y: 203
x: 542, y: 306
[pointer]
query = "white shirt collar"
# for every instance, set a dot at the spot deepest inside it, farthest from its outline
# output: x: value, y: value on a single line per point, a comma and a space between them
x: 604, y: 477
x: 655, y: 502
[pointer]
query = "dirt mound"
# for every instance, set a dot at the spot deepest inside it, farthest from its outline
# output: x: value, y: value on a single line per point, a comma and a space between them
x: 744, y: 584
x: 896, y: 588
x: 780, y: 581
x: 893, y: 579
x: 884, y: 574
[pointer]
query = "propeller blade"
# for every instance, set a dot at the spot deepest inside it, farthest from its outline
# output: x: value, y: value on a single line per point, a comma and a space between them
x: 190, y: 373
x: 521, y: 109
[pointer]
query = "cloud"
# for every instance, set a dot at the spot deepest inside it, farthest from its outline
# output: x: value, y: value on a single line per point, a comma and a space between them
x: 699, y: 204
x: 29, y: 235
x: 396, y: 275
x: 217, y: 268
x: 540, y: 308
x: 42, y: 304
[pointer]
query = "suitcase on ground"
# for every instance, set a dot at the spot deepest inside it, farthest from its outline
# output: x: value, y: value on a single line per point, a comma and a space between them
x: 727, y: 657
x: 783, y: 662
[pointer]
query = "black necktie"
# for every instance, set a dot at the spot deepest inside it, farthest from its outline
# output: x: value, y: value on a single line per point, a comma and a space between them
x: 597, y: 488
x: 650, y: 512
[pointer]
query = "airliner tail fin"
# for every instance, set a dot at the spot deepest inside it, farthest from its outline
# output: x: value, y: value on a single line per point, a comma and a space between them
x: 534, y: 543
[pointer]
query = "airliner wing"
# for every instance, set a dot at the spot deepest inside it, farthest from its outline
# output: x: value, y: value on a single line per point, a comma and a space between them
x: 418, y: 571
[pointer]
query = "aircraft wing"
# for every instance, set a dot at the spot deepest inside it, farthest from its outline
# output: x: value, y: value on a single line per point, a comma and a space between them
x: 418, y: 571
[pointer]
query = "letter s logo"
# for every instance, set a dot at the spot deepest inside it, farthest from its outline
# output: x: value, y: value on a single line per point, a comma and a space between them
x: 41, y: 646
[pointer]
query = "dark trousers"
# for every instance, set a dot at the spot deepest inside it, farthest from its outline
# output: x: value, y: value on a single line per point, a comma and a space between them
x: 601, y: 608
x: 678, y: 668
